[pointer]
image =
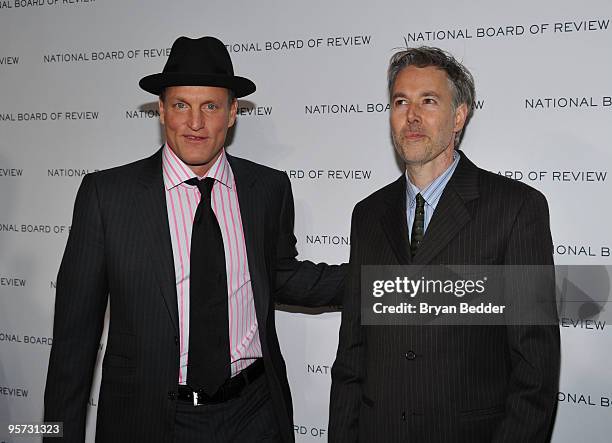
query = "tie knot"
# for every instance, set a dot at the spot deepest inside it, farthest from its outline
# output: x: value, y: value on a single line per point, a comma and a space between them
x: 420, y: 201
x: 205, y: 186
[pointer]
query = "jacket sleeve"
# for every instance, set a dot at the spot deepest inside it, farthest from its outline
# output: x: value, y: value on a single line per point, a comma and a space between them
x: 302, y: 283
x: 534, y: 348
x: 80, y: 304
x: 349, y: 367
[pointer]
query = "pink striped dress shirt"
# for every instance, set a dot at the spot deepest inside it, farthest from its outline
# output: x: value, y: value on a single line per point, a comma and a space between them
x: 182, y: 201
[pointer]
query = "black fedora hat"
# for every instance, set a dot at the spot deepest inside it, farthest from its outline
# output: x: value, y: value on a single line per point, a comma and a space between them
x: 198, y: 62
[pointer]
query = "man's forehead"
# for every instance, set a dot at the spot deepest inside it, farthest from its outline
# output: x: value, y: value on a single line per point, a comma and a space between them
x: 425, y: 72
x: 429, y: 77
x: 196, y: 91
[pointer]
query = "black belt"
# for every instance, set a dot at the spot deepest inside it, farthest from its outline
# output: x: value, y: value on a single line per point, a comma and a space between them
x: 229, y: 390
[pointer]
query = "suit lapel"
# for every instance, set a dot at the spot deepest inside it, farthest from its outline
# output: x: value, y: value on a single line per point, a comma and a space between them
x: 394, y: 221
x: 451, y: 213
x: 150, y: 202
x: 252, y: 217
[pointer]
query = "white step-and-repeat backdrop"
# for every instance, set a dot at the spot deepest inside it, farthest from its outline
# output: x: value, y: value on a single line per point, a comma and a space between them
x: 70, y: 104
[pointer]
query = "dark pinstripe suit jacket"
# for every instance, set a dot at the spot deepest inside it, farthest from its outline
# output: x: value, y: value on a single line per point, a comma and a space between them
x: 119, y: 244
x: 447, y: 383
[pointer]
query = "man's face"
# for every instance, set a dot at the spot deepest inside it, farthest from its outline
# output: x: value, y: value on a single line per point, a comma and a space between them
x: 423, y: 122
x: 196, y: 120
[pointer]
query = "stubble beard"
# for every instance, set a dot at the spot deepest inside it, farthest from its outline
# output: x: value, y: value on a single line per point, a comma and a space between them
x: 427, y: 149
x: 406, y: 150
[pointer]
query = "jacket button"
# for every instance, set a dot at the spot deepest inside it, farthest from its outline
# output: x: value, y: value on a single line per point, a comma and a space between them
x: 410, y: 355
x: 176, y: 340
x: 171, y: 395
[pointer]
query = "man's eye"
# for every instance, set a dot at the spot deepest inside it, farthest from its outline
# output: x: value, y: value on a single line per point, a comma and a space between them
x: 211, y: 106
x: 180, y: 105
x: 429, y: 101
x: 400, y: 102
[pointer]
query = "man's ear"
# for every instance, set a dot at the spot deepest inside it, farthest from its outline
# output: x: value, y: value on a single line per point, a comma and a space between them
x: 460, y: 116
x: 160, y: 103
x: 232, y: 113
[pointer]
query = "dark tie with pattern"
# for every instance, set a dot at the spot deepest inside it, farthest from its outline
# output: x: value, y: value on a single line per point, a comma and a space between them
x: 418, y: 227
x: 208, y: 364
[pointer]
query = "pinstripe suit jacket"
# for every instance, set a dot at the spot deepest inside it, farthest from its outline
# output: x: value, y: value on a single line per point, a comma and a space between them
x: 447, y: 383
x: 119, y: 244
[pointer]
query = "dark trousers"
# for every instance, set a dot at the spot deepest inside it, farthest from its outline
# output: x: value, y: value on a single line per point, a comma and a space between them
x: 248, y: 418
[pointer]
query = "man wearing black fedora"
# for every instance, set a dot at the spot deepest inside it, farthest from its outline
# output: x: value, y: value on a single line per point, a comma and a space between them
x: 192, y: 247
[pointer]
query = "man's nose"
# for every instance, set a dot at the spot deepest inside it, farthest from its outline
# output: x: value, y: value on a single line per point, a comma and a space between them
x: 412, y: 113
x: 196, y: 120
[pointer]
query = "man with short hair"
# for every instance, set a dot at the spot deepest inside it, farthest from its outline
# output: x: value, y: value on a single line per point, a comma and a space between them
x: 453, y: 383
x: 193, y: 247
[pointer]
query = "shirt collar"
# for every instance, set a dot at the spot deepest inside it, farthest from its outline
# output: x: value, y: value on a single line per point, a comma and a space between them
x: 176, y: 172
x: 433, y: 191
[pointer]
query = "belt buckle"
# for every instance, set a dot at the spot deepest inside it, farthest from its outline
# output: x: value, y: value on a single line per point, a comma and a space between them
x: 195, y: 398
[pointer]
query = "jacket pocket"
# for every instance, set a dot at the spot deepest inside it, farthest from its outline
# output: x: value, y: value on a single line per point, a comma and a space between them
x: 483, y: 412
x: 120, y: 351
x: 367, y: 401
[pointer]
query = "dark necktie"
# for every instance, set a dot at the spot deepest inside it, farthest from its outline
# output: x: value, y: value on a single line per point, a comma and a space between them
x: 208, y: 363
x: 418, y: 227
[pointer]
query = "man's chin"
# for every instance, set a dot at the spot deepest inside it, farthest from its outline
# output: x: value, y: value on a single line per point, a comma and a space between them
x: 415, y: 155
x: 198, y: 161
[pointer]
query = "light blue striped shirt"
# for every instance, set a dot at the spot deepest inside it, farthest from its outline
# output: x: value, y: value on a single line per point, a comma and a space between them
x: 431, y: 194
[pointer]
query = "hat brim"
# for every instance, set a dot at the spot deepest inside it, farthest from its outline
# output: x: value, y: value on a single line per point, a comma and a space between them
x: 155, y: 83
